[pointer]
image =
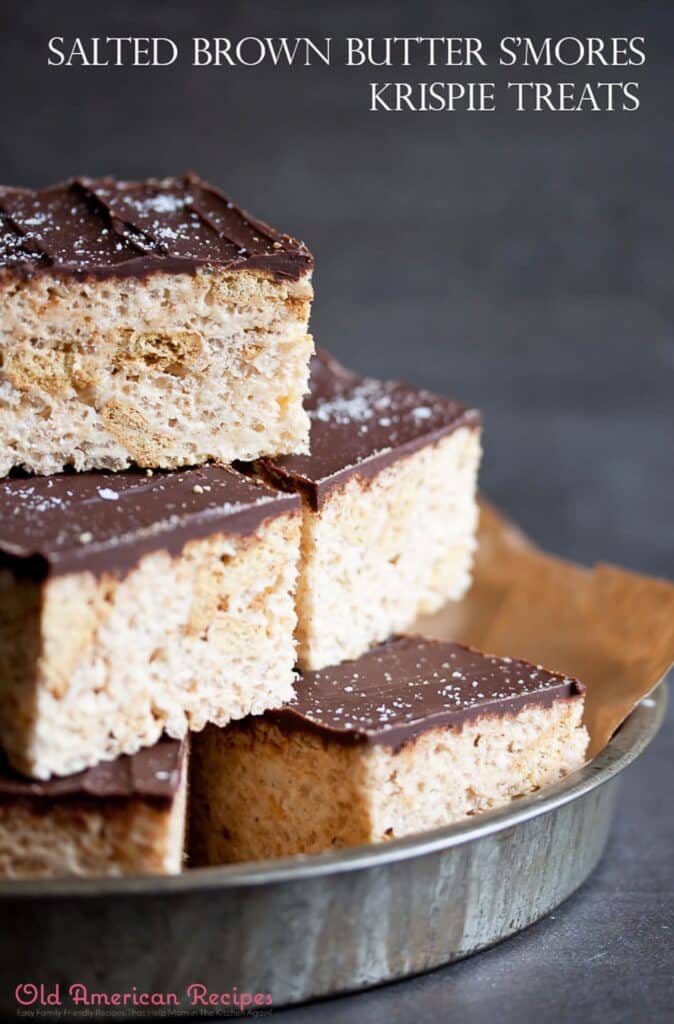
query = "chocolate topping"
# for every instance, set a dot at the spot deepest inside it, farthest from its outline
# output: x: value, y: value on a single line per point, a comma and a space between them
x: 105, y: 522
x: 409, y: 685
x: 106, y: 228
x: 154, y: 772
x: 358, y: 427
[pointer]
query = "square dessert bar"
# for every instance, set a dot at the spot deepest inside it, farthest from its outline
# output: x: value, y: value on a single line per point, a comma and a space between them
x: 149, y: 322
x: 389, y: 509
x: 120, y: 818
x: 413, y: 735
x: 133, y: 604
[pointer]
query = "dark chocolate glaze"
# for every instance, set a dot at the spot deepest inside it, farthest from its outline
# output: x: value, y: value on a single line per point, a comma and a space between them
x: 409, y: 685
x: 358, y: 427
x: 105, y: 522
x: 153, y: 773
x: 103, y: 228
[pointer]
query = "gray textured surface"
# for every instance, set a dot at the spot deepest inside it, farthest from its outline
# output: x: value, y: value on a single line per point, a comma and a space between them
x: 521, y: 262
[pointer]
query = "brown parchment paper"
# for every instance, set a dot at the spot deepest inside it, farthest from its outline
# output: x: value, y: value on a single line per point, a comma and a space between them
x: 610, y: 628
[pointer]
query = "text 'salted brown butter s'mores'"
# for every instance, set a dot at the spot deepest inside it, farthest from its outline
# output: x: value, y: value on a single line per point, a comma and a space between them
x: 133, y: 604
x: 120, y: 818
x: 413, y: 735
x: 148, y: 322
x: 389, y: 509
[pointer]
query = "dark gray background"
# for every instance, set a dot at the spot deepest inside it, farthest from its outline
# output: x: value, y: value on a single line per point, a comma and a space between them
x: 519, y: 262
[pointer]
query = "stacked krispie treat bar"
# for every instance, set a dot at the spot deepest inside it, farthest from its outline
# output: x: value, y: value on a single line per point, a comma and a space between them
x: 121, y: 817
x: 134, y: 604
x: 150, y: 334
x: 413, y: 735
x: 194, y: 548
x: 152, y: 323
x: 389, y: 510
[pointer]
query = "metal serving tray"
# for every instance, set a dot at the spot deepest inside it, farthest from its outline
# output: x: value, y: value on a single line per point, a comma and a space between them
x: 304, y: 927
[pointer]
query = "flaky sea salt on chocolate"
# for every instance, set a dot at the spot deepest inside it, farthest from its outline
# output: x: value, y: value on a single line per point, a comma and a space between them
x: 134, y: 605
x: 390, y: 514
x: 413, y: 735
x: 150, y: 322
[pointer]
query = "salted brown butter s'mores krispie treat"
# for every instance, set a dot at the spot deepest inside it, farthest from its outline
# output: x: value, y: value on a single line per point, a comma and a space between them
x: 389, y: 509
x: 148, y: 322
x: 121, y: 817
x: 132, y: 604
x: 413, y: 735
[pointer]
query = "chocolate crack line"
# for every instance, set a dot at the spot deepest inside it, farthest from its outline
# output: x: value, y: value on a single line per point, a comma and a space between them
x: 134, y: 235
x: 139, y: 237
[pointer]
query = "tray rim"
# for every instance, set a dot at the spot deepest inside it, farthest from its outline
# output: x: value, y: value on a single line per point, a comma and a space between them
x: 627, y: 743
